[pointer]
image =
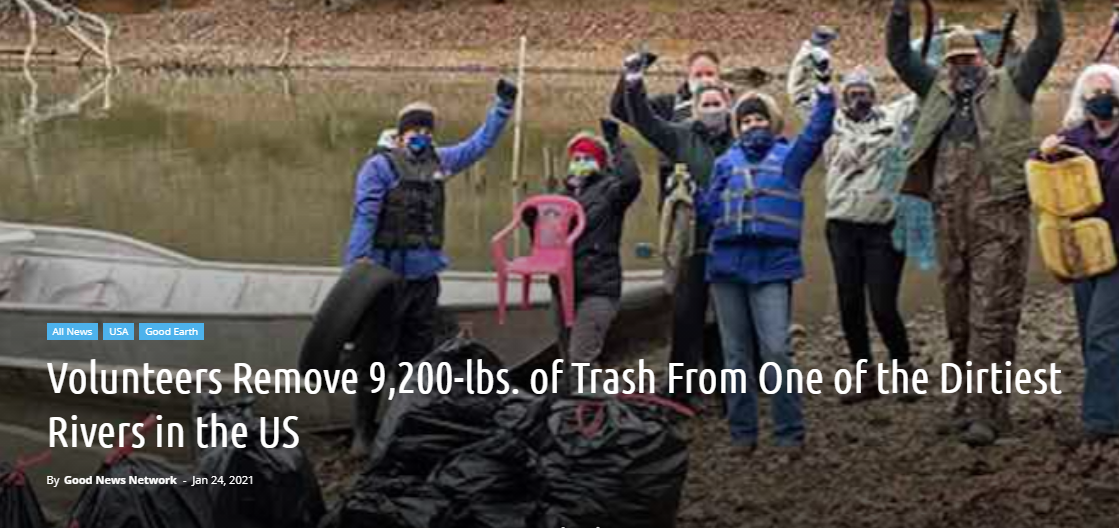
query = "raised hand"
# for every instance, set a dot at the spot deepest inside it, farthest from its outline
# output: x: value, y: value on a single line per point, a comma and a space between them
x: 821, y: 65
x: 507, y: 92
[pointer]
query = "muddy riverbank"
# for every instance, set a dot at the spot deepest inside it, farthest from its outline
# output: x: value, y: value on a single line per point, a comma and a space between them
x: 883, y: 464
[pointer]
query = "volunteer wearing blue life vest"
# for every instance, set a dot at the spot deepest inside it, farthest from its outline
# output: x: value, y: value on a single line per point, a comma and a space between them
x: 399, y: 204
x: 754, y: 203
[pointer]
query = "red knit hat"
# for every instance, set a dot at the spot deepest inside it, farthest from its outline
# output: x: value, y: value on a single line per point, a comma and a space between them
x: 587, y: 144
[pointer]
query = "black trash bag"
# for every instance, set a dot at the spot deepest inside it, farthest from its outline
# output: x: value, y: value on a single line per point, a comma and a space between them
x: 494, y: 483
x: 611, y: 462
x: 418, y: 431
x: 284, y: 492
x: 399, y: 502
x: 19, y: 507
x: 178, y: 505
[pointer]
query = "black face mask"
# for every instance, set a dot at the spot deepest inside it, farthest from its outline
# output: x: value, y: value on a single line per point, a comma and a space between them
x: 967, y: 78
x: 1102, y: 106
x: 859, y: 107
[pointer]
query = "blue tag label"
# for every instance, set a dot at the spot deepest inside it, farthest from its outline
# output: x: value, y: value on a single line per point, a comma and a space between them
x: 71, y: 331
x: 118, y: 331
x: 172, y: 332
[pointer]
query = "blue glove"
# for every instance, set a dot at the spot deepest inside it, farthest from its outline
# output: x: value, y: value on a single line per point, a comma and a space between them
x: 915, y: 231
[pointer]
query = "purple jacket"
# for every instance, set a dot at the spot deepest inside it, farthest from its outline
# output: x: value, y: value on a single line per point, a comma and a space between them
x: 1106, y: 155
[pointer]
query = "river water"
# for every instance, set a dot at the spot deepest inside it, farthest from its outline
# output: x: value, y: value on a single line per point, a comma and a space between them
x: 260, y: 168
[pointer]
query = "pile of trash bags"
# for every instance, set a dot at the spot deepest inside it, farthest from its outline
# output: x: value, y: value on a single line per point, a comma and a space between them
x: 141, y: 506
x: 19, y: 507
x: 284, y: 492
x: 461, y: 459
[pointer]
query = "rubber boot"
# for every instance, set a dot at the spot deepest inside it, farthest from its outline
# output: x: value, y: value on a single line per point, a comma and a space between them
x: 979, y: 434
x: 869, y: 390
x: 364, y: 422
x: 1078, y: 439
x: 958, y: 422
x: 910, y: 396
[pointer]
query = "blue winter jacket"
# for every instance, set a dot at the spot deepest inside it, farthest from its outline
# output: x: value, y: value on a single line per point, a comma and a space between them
x: 376, y: 178
x: 757, y: 261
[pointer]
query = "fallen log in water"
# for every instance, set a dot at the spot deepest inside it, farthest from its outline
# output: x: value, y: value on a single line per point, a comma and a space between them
x: 20, y: 51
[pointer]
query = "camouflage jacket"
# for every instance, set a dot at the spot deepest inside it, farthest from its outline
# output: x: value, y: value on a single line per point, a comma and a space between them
x: 864, y: 159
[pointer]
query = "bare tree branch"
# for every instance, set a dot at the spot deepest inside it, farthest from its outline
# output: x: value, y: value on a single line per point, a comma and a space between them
x: 79, y: 24
x: 282, y: 60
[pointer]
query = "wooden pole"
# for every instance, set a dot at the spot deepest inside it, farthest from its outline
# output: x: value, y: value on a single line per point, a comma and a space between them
x: 515, y: 175
x: 519, y: 113
x: 547, y: 173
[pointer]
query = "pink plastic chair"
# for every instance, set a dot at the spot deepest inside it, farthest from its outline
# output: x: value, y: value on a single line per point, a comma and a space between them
x: 553, y: 250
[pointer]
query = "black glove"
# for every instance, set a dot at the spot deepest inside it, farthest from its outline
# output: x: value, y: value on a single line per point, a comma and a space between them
x: 821, y: 65
x: 637, y: 63
x: 507, y: 92
x: 610, y: 131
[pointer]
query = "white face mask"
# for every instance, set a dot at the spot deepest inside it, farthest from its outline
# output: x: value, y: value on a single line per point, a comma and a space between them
x: 714, y: 119
x: 693, y: 85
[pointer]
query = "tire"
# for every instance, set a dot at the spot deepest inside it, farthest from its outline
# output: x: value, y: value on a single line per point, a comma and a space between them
x: 341, y: 313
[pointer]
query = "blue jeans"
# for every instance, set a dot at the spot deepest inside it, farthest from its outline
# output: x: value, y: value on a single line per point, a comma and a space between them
x: 755, y: 318
x: 1097, y: 311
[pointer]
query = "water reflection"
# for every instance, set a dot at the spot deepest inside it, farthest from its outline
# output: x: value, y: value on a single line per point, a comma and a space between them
x: 261, y: 168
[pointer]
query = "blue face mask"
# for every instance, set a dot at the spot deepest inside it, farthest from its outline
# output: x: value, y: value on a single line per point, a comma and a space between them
x: 757, y: 142
x: 1102, y: 106
x: 419, y: 143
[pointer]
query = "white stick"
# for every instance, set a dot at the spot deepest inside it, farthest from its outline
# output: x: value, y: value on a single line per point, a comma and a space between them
x: 519, y: 113
x: 33, y: 41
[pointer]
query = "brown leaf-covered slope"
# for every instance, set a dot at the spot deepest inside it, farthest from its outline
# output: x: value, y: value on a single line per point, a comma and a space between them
x: 575, y: 34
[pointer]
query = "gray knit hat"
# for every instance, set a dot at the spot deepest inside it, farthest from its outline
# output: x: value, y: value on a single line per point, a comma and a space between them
x: 860, y: 76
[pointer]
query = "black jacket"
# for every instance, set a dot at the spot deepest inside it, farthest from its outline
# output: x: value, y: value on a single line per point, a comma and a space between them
x: 605, y: 199
x: 673, y: 107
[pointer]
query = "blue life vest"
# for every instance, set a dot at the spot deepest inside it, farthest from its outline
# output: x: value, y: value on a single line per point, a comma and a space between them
x: 759, y: 203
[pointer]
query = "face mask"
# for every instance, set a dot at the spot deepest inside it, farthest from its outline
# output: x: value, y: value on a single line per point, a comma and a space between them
x: 579, y: 169
x: 693, y: 85
x: 714, y: 120
x: 756, y: 142
x: 968, y: 78
x: 1102, y: 106
x: 859, y: 107
x: 419, y: 143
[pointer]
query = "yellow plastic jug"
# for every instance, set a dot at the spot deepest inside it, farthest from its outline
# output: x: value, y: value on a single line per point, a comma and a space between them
x: 1076, y: 249
x: 1066, y: 186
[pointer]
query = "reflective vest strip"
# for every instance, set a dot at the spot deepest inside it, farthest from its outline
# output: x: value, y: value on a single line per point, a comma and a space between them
x: 751, y: 217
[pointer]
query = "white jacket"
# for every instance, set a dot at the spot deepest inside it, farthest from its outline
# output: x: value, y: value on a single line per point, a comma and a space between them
x: 865, y: 160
